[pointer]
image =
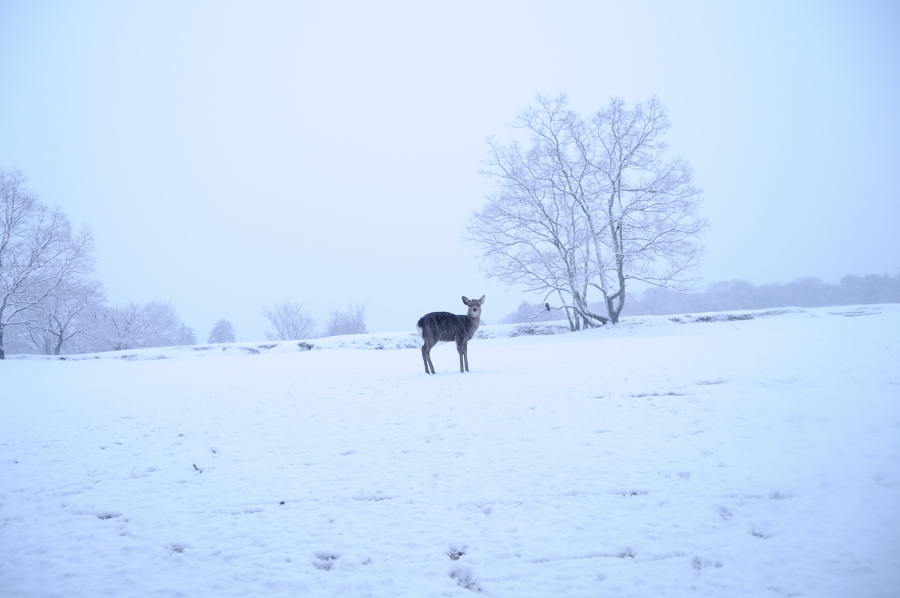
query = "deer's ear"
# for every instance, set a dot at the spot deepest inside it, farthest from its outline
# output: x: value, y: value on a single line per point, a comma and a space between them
x: 465, y: 300
x: 481, y: 300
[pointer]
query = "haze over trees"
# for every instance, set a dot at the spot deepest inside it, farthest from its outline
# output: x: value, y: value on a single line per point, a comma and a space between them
x: 222, y: 332
x: 590, y: 204
x: 51, y: 304
x: 64, y: 317
x: 740, y: 295
x: 290, y: 322
x: 138, y: 325
x: 104, y: 327
x: 49, y: 301
x: 351, y: 321
x: 44, y: 266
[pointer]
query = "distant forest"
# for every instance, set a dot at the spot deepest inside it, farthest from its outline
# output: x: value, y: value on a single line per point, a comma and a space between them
x: 738, y: 294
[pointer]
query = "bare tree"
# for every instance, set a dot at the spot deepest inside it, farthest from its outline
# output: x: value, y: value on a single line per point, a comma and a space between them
x: 290, y: 321
x: 222, y: 332
x: 39, y: 253
x: 136, y: 325
x: 63, y: 316
x: 589, y: 204
x: 352, y: 321
x: 529, y: 313
x: 647, y: 202
x: 531, y: 230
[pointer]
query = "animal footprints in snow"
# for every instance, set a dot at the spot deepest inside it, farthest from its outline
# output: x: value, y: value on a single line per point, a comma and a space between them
x: 461, y: 573
x: 762, y: 529
x: 377, y: 497
x: 325, y: 560
x: 698, y: 563
x: 464, y: 578
x: 105, y: 516
x: 627, y: 493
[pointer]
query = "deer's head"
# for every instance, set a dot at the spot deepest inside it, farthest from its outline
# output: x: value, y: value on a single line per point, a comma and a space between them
x: 474, y: 306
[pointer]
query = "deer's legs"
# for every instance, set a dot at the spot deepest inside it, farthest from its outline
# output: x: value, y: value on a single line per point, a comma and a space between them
x: 462, y: 349
x: 426, y: 357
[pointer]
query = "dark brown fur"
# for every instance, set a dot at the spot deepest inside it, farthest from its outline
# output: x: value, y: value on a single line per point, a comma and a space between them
x: 442, y: 326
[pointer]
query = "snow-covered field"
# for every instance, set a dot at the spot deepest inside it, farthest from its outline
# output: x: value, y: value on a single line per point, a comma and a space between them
x: 716, y: 455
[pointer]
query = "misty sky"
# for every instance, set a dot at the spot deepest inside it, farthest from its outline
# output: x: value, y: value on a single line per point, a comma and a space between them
x: 228, y: 156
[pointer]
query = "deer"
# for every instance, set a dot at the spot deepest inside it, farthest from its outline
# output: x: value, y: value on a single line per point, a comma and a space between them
x: 442, y: 326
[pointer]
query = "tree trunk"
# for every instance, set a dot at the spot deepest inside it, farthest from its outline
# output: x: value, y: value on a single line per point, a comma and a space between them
x: 568, y: 317
x: 620, y: 270
x: 59, y: 342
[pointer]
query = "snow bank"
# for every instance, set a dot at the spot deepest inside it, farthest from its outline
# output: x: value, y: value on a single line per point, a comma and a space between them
x: 412, y: 340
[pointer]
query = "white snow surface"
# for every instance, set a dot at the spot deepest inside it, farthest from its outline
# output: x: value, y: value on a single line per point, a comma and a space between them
x: 739, y: 454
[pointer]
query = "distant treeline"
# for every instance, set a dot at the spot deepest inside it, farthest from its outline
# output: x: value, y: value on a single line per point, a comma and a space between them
x: 740, y: 294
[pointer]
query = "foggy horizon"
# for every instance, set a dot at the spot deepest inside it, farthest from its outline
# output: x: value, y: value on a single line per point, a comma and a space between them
x: 228, y: 159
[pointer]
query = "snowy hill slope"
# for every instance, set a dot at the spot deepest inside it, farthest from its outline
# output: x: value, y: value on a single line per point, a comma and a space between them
x: 742, y: 454
x: 411, y: 340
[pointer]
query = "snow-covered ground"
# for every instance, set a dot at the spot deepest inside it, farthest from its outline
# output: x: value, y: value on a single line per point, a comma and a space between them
x: 743, y: 454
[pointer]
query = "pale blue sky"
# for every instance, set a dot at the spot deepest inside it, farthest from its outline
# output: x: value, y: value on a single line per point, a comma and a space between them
x: 231, y: 155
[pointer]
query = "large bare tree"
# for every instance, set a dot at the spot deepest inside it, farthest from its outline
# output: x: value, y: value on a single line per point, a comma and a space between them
x: 646, y: 200
x: 64, y: 316
x: 40, y: 254
x: 588, y: 204
x: 534, y: 231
